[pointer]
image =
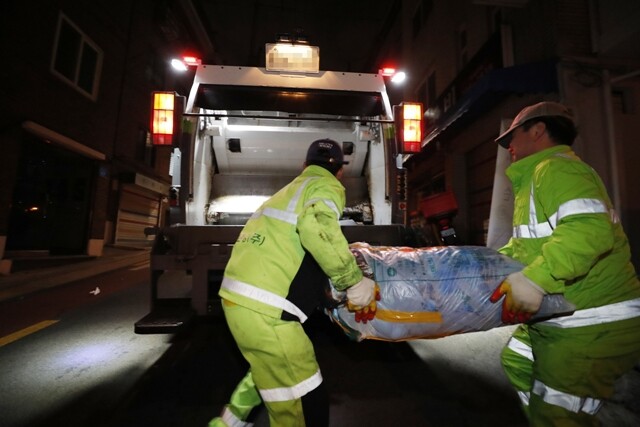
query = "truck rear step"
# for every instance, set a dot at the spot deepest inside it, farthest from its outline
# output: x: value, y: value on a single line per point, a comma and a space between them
x: 169, y: 316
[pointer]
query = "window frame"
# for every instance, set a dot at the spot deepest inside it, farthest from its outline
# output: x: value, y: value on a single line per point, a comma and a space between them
x: 85, y: 42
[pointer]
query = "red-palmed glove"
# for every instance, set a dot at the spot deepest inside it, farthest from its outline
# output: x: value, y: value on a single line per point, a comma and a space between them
x: 367, y: 313
x: 522, y: 298
x: 362, y: 293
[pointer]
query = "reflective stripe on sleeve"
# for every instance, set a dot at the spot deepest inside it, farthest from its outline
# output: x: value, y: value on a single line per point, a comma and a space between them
x: 580, y: 206
x: 524, y: 397
x: 521, y: 348
x: 567, y: 401
x: 283, y: 394
x: 264, y: 296
x: 327, y: 202
x: 595, y: 316
x: 231, y: 420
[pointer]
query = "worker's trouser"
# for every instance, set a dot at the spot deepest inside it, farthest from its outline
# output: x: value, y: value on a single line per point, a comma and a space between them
x: 563, y: 375
x: 284, y: 373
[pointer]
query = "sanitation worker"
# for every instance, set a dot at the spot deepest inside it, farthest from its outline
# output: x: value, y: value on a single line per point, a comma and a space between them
x: 571, y: 242
x: 275, y: 278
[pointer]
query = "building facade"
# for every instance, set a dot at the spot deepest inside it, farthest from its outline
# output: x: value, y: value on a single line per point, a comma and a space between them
x: 475, y: 63
x: 78, y: 170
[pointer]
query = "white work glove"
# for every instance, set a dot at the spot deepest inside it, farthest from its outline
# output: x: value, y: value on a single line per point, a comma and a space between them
x: 523, y: 297
x: 362, y: 293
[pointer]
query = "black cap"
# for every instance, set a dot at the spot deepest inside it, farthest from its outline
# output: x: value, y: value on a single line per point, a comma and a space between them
x: 325, y: 151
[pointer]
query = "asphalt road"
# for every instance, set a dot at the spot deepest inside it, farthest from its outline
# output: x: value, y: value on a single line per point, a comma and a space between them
x: 81, y: 357
x: 371, y: 383
x: 88, y: 368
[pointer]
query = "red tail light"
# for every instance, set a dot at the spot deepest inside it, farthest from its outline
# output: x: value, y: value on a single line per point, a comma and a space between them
x: 163, y: 117
x: 408, y: 122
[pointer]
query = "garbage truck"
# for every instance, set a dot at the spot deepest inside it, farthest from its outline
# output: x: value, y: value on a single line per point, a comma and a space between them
x: 241, y: 135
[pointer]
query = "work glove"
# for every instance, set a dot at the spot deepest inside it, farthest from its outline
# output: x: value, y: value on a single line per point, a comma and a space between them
x: 362, y: 293
x: 522, y: 298
x: 366, y: 314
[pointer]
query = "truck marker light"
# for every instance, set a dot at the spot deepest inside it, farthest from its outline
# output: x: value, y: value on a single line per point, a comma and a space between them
x: 186, y: 62
x: 398, y: 77
x: 409, y: 127
x: 191, y: 61
x: 162, y: 118
x: 179, y: 65
x: 387, y: 71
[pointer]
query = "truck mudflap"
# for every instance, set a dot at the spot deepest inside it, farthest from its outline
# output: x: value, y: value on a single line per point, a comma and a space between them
x: 168, y: 316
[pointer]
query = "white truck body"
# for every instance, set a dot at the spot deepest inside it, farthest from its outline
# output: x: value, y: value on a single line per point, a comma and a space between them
x: 277, y: 148
x: 247, y: 133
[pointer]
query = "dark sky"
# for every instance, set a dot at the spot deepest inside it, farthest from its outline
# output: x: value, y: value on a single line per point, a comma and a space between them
x: 348, y: 32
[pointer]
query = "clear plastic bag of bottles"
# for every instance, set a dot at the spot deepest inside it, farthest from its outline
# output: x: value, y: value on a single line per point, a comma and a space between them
x: 426, y: 292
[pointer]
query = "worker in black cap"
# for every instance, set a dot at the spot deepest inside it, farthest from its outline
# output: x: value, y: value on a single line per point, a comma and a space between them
x: 275, y: 278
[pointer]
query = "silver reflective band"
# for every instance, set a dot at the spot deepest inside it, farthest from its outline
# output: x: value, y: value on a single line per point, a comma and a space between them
x: 266, y: 297
x: 285, y: 216
x: 579, y: 206
x: 231, y: 420
x: 521, y: 348
x: 573, y: 207
x: 567, y: 401
x: 327, y: 202
x: 524, y: 397
x: 294, y: 201
x: 595, y: 316
x: 532, y: 231
x: 283, y: 394
x: 288, y: 216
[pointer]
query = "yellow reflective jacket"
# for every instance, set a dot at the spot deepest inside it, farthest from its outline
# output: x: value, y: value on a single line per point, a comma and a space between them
x: 566, y: 232
x: 289, y: 247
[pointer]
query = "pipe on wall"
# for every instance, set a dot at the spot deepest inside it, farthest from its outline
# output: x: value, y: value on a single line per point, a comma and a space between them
x: 607, y: 88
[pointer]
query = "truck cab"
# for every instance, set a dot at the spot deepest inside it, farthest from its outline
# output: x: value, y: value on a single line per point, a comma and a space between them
x: 244, y: 135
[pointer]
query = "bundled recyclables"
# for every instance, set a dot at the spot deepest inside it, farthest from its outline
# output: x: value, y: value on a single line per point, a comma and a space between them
x: 426, y: 292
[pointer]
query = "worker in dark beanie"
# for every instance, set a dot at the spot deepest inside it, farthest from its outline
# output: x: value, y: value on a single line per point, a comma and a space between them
x: 571, y: 242
x: 275, y: 278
